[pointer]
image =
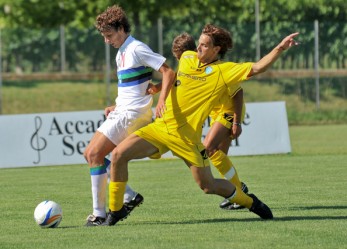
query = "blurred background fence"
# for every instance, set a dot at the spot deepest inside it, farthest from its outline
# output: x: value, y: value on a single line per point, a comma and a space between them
x: 26, y: 51
x: 314, y: 71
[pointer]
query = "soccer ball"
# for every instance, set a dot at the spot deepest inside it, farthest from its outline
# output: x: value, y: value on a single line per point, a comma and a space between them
x: 48, y: 214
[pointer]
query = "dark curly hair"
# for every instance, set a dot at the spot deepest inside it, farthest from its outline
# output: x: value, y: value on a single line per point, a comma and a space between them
x: 182, y: 43
x: 220, y: 37
x: 113, y: 17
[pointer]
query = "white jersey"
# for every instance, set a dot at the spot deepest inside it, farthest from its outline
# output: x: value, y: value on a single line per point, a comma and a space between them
x: 135, y: 64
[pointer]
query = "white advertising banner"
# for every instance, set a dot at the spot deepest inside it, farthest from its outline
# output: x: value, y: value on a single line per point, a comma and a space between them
x: 46, y: 138
x: 264, y: 131
x: 61, y: 138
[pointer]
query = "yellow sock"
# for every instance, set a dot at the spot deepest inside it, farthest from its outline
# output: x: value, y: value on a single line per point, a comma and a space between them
x: 116, y: 195
x: 225, y: 167
x: 240, y: 198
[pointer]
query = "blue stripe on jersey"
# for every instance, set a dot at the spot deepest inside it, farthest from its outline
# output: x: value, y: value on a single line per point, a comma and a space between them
x: 131, y: 72
x: 134, y: 76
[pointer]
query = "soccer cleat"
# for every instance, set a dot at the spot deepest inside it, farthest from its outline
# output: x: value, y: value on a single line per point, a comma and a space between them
x: 227, y: 205
x: 260, y: 208
x: 93, y: 221
x: 135, y: 202
x: 230, y: 206
x: 114, y: 216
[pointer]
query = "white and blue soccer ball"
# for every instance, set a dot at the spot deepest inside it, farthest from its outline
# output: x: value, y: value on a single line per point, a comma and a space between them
x: 48, y: 214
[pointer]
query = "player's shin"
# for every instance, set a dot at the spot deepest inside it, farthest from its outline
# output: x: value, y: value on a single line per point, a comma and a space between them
x: 225, y: 167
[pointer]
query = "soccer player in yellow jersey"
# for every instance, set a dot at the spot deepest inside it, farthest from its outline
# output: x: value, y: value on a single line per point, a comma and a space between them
x: 225, y: 123
x: 201, y: 80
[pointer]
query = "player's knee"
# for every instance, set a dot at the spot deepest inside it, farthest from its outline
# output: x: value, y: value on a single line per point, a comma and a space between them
x: 207, y: 190
x: 91, y: 156
x: 210, y: 148
x: 86, y: 154
x: 206, y: 187
x: 118, y: 155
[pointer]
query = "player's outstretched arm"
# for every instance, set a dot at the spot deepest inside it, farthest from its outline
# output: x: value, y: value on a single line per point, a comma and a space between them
x: 264, y: 63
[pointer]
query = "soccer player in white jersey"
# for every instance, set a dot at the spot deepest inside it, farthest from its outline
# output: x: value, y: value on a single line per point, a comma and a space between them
x: 132, y: 109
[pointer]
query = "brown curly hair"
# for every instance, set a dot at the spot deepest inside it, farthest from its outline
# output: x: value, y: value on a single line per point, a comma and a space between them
x: 113, y: 17
x: 220, y: 37
x: 182, y: 43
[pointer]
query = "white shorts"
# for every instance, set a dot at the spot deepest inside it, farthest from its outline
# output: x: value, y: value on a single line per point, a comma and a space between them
x: 121, y: 123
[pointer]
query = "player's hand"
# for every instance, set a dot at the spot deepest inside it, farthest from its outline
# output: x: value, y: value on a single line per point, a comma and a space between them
x: 236, y: 131
x: 153, y: 89
x: 160, y: 109
x: 109, y: 109
x: 288, y: 41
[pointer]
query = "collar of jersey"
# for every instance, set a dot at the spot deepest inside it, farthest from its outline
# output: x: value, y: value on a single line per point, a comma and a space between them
x: 201, y: 66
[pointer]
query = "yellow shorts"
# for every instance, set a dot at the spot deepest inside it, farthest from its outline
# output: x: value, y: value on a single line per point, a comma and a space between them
x: 225, y: 116
x: 195, y: 154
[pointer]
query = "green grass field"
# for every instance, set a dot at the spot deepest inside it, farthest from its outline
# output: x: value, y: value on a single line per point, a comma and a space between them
x: 305, y: 189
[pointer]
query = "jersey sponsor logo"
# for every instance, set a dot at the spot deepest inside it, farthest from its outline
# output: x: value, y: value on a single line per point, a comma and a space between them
x: 181, y: 74
x: 208, y: 70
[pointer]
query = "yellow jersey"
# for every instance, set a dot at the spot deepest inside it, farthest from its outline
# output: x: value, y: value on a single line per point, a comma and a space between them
x: 225, y: 103
x: 197, y: 90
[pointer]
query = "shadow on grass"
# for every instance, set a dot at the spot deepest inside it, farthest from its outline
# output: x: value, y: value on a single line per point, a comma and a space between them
x: 294, y: 218
x: 254, y: 219
x: 317, y: 208
x: 222, y: 220
x: 276, y: 219
x: 68, y: 227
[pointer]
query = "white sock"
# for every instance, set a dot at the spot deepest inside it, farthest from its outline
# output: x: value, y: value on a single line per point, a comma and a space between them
x: 99, y: 183
x: 129, y: 194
